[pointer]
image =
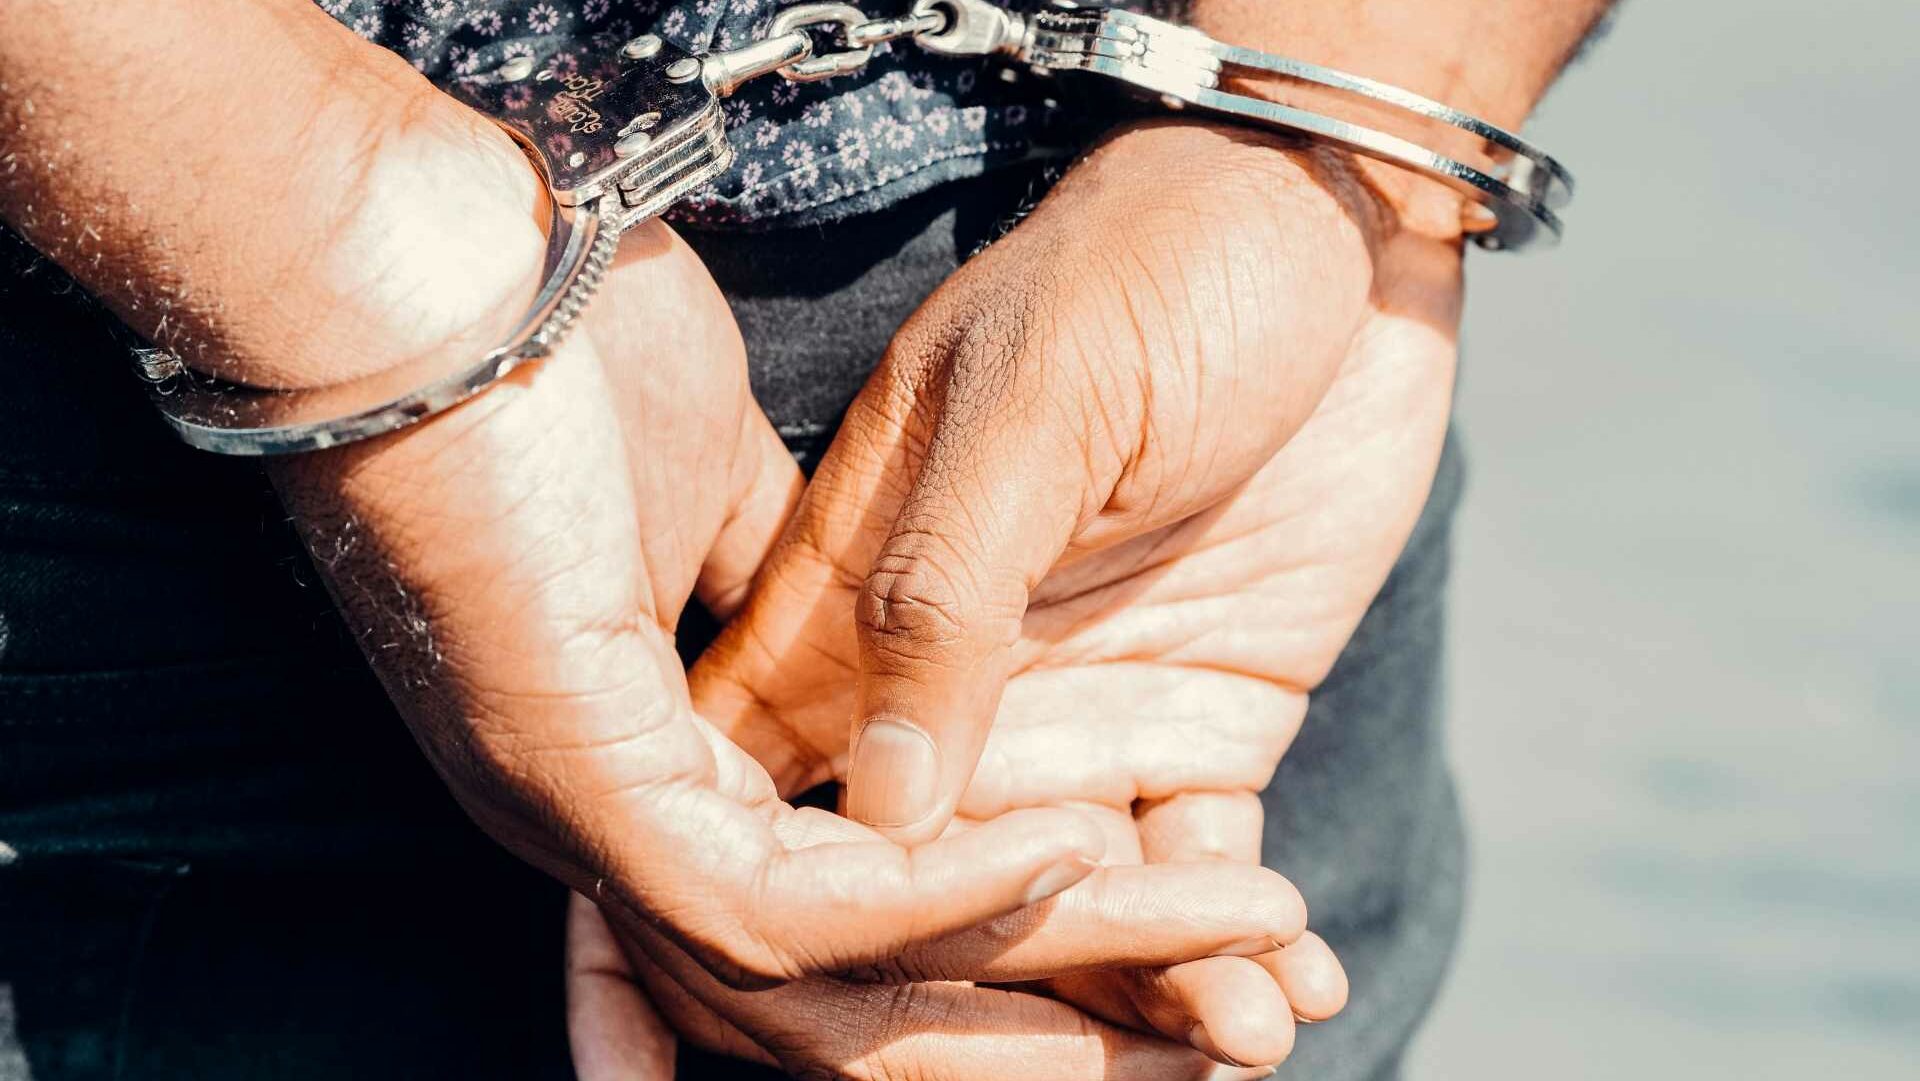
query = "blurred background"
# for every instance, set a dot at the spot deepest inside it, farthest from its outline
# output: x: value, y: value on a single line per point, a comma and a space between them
x: 1686, y: 615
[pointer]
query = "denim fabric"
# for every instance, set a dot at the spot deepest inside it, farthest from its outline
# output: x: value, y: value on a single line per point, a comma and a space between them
x: 222, y: 857
x: 806, y: 151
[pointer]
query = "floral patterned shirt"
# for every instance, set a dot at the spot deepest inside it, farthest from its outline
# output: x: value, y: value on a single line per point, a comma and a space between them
x: 806, y: 152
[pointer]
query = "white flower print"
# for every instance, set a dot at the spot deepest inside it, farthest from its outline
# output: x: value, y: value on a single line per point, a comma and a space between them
x: 465, y: 61
x: 851, y: 147
x: 817, y: 115
x: 799, y: 147
x: 891, y: 133
x: 801, y: 168
x: 542, y: 18
x: 893, y: 85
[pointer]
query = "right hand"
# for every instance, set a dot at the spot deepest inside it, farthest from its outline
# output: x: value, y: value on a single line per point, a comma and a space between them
x: 515, y: 569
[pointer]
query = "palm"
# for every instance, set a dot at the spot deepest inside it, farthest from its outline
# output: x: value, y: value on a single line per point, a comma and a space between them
x: 1162, y: 677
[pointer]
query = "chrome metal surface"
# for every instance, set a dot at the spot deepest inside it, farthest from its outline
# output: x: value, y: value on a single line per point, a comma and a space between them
x: 621, y: 142
x: 974, y: 28
x: 614, y: 146
x: 156, y: 365
x: 1515, y: 191
x: 643, y: 47
x: 725, y: 71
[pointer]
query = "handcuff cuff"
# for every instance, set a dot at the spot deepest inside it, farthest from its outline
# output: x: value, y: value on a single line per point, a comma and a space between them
x: 638, y: 134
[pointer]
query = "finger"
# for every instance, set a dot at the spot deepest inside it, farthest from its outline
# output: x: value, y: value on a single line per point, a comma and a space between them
x: 1228, y: 1008
x: 942, y: 603
x: 759, y: 913
x: 824, y: 1027
x: 1120, y: 732
x: 613, y: 1031
x: 1117, y: 917
x: 1192, y: 827
x: 671, y: 303
x: 1232, y: 1009
x: 1311, y: 975
x: 765, y: 495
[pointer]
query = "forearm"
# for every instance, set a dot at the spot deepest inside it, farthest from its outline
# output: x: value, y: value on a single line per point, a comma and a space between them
x: 1491, y: 58
x: 251, y: 185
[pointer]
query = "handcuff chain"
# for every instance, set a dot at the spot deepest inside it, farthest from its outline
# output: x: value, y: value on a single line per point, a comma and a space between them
x: 787, y: 48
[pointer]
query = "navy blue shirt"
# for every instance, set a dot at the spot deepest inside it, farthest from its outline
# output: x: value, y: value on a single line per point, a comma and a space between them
x: 806, y: 152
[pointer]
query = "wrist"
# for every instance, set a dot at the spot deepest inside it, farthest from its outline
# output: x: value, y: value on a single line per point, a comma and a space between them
x: 1225, y: 168
x: 410, y: 230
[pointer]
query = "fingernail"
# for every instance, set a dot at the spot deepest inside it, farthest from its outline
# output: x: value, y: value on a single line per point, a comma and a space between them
x: 1059, y: 877
x: 895, y: 772
x: 1249, y: 947
x: 1203, y: 1043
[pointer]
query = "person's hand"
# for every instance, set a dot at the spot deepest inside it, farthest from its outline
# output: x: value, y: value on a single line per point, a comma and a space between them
x: 869, y: 1027
x: 1128, y: 356
x: 515, y: 569
x: 1155, y: 681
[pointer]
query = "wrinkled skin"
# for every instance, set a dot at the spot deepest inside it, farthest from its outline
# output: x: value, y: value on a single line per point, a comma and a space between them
x: 515, y: 569
x: 1156, y: 670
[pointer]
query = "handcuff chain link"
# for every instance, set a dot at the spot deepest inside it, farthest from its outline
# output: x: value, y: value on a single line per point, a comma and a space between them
x: 788, y: 45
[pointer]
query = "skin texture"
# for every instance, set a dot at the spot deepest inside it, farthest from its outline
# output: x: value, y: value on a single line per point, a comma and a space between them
x: 1156, y: 674
x: 1043, y: 439
x: 514, y: 568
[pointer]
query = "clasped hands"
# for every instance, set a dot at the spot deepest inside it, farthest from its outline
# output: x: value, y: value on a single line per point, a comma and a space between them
x: 1051, y: 608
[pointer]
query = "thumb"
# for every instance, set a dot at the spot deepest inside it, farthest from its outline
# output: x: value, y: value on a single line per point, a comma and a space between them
x: 988, y: 513
x: 766, y: 489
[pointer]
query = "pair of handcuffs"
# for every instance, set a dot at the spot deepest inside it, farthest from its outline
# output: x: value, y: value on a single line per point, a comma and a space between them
x: 644, y: 129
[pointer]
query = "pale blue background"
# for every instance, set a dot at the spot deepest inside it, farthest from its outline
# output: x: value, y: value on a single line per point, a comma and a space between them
x: 1687, y: 606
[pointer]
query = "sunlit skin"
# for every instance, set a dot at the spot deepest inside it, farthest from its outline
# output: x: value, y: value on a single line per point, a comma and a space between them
x: 1156, y: 673
x: 514, y: 568
x: 1135, y: 471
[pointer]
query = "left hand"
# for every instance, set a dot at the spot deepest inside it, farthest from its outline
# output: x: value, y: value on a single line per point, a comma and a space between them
x: 1124, y: 359
x: 1157, y: 678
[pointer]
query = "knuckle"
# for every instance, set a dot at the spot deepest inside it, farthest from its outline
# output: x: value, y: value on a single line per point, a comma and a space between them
x: 910, y: 604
